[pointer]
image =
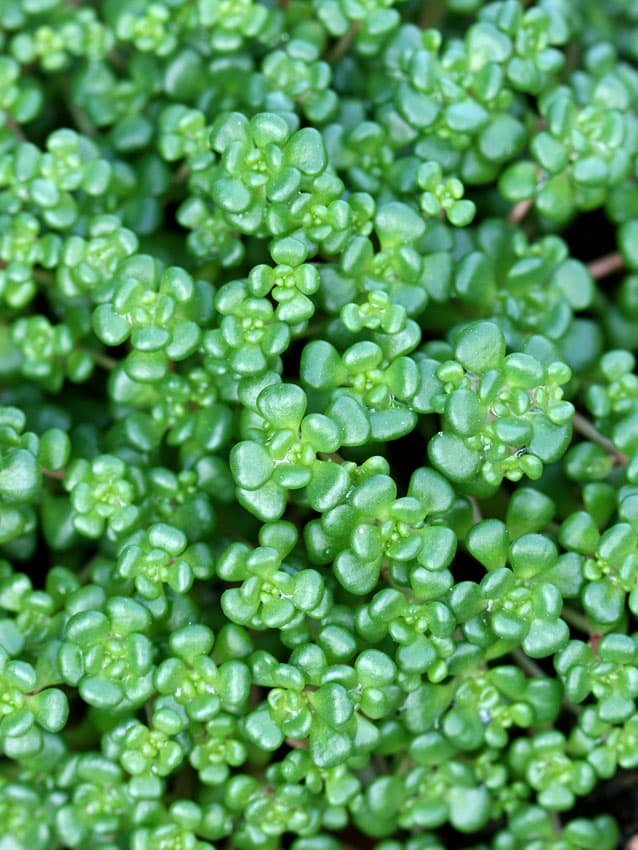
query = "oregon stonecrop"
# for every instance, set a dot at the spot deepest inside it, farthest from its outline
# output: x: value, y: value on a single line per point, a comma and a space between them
x: 318, y: 423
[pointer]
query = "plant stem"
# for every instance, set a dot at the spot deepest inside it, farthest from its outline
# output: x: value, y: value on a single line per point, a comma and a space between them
x: 332, y: 456
x: 181, y: 175
x: 58, y: 474
x: 343, y: 45
x: 607, y: 265
x: 432, y: 14
x: 590, y: 432
x: 103, y: 360
x: 527, y: 665
x: 43, y: 276
x: 79, y: 116
x: 477, y: 516
x: 577, y: 619
x: 15, y: 128
x: 520, y: 210
x: 530, y: 667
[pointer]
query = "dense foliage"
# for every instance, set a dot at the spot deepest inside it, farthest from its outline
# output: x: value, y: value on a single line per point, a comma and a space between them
x: 318, y: 423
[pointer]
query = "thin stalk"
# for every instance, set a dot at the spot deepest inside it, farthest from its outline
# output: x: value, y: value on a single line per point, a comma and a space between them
x: 181, y: 175
x: 431, y: 14
x: 520, y: 210
x: 15, y: 128
x: 80, y: 118
x: 58, y: 474
x: 527, y: 665
x: 477, y: 516
x: 590, y: 432
x: 577, y: 619
x: 103, y: 360
x: 343, y: 45
x: 332, y: 456
x: 532, y: 669
x: 553, y: 528
x: 43, y: 276
x: 607, y: 265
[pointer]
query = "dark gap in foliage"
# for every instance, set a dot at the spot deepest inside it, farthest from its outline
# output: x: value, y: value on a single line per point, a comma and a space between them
x: 86, y: 733
x: 465, y: 567
x: 292, y: 358
x: 453, y: 840
x: 183, y: 784
x: 38, y: 563
x: 618, y: 797
x: 590, y: 236
x: 354, y: 839
x: 170, y: 215
x: 404, y: 456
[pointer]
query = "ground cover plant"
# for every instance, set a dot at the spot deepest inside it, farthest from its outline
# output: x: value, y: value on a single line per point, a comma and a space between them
x: 318, y: 424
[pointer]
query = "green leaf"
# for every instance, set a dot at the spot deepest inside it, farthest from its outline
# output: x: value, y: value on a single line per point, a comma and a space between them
x: 518, y: 182
x: 555, y: 199
x: 480, y: 346
x: 397, y: 224
x: 307, y: 152
x: 356, y: 576
x: 283, y: 405
x: 261, y: 731
x: 470, y: 808
x: 332, y: 704
x: 20, y: 478
x: 267, y: 502
x: 449, y: 454
x: 488, y: 542
x: 328, y: 746
x: 328, y: 486
x: 628, y: 243
x: 464, y: 414
x: 549, y: 441
x: 352, y: 419
x: 251, y: 465
x: 603, y: 602
x: 391, y: 424
x: 545, y: 637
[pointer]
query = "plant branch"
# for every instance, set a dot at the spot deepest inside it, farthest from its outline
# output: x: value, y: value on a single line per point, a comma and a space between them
x: 58, y: 474
x: 527, y: 665
x: 181, y: 175
x: 431, y: 14
x: 343, y: 45
x: 531, y: 668
x: 586, y: 429
x: 577, y: 619
x: 43, y: 276
x: 14, y: 127
x: 334, y: 457
x: 520, y: 210
x: 607, y: 265
x: 477, y: 516
x: 103, y: 360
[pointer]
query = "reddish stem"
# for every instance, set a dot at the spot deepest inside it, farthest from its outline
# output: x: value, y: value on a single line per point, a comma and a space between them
x: 520, y: 210
x: 15, y: 128
x: 607, y: 265
x: 587, y: 430
x: 54, y: 473
x: 343, y: 45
